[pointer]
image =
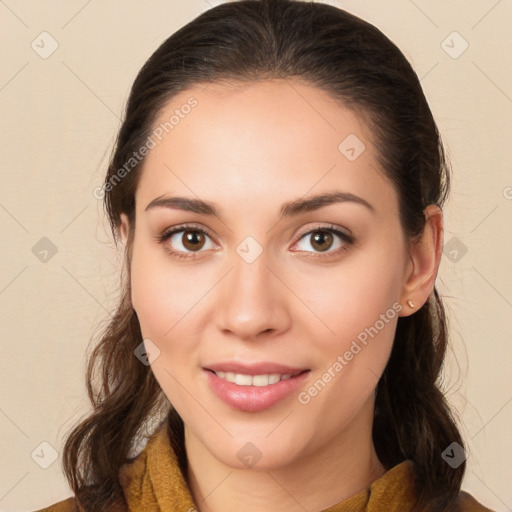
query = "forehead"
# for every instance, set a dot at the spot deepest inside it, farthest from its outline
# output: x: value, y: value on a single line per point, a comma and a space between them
x: 273, y: 139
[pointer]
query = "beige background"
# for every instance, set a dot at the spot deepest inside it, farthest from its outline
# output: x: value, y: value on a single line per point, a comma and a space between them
x: 59, y: 118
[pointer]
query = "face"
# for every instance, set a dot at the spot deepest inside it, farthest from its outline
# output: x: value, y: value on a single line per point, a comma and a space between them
x: 294, y: 300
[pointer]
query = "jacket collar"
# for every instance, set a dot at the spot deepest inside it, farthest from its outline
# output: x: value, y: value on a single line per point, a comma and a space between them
x: 153, y: 481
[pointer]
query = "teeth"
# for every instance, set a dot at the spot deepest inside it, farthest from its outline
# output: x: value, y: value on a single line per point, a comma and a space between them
x: 274, y: 378
x: 243, y: 380
x: 253, y: 380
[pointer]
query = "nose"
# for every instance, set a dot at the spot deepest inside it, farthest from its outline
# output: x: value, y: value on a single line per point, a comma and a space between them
x: 252, y: 302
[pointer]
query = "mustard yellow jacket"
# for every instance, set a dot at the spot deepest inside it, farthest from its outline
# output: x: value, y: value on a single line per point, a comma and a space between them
x: 153, y: 482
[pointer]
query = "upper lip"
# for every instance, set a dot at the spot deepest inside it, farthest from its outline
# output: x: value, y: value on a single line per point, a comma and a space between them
x: 261, y: 368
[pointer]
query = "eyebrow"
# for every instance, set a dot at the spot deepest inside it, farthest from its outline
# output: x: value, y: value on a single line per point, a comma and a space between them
x: 288, y: 209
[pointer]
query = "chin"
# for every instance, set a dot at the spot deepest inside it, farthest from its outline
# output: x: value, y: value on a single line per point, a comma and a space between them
x: 260, y: 451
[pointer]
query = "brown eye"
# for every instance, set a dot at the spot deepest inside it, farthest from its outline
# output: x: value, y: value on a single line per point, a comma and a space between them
x: 329, y: 240
x: 321, y: 240
x: 186, y: 241
x: 193, y: 240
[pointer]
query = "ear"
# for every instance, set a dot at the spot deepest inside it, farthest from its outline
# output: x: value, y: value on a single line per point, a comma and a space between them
x: 124, y: 227
x: 425, y: 257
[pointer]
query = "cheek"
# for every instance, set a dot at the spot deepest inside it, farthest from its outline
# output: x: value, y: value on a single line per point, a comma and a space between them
x: 164, y: 300
x: 361, y: 311
x: 358, y: 306
x: 162, y: 294
x: 352, y: 297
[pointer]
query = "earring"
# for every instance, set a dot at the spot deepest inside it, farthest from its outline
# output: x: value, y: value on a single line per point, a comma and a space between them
x: 410, y: 303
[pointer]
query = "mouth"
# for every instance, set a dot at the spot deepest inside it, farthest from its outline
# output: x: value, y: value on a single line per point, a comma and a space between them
x: 261, y: 380
x: 255, y: 387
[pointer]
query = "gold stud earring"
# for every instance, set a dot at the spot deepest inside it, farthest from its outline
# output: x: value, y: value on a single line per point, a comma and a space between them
x: 410, y: 303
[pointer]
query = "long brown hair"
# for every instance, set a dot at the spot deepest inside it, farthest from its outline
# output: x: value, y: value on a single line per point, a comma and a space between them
x: 359, y: 66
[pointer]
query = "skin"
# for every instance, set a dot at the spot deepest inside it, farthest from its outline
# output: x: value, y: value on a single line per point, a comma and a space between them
x: 249, y: 149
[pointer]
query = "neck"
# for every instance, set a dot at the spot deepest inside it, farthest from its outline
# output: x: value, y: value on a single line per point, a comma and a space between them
x: 341, y: 468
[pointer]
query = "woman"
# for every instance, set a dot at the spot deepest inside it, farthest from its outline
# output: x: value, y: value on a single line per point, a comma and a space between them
x: 277, y: 185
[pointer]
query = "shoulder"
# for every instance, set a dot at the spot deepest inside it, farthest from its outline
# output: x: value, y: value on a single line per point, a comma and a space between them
x: 68, y: 505
x: 399, y: 483
x: 468, y: 504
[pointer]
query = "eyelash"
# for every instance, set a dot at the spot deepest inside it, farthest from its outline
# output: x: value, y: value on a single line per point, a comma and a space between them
x: 347, y: 240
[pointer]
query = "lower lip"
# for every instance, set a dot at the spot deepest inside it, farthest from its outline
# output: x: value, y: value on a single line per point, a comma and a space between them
x: 253, y: 398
